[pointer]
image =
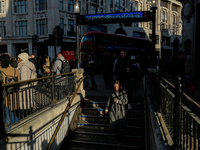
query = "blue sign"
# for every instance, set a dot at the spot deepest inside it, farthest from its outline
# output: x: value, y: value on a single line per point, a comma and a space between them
x: 128, y: 15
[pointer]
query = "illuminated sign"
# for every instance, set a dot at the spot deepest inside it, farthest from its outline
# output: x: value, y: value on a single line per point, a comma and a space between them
x: 128, y: 15
x: 125, y: 17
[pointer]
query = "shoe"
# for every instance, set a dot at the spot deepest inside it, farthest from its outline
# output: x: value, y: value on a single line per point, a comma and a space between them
x: 129, y: 106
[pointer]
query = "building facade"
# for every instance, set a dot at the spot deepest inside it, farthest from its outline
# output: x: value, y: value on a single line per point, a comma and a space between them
x: 20, y: 19
x: 191, y: 39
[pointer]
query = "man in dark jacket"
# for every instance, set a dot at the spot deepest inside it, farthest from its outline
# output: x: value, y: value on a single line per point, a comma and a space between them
x: 122, y: 71
x: 92, y: 65
x: 33, y: 59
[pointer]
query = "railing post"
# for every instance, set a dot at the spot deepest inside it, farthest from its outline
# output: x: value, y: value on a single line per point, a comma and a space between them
x: 2, y: 126
x: 176, y: 113
x: 53, y: 101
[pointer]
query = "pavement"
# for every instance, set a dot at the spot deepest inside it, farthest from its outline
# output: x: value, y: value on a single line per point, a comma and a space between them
x: 102, y: 90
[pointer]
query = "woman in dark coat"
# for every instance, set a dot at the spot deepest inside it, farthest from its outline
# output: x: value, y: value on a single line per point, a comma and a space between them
x: 116, y: 110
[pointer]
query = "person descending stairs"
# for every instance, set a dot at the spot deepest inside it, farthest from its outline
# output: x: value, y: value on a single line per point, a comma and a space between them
x: 92, y: 130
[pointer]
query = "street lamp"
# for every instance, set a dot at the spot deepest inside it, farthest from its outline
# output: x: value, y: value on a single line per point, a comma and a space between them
x: 153, y: 8
x: 76, y: 11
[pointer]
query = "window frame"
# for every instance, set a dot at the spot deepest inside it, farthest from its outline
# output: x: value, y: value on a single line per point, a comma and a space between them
x: 21, y: 28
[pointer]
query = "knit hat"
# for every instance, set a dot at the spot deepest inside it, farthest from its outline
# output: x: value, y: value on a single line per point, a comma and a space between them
x: 133, y: 57
x: 23, y: 56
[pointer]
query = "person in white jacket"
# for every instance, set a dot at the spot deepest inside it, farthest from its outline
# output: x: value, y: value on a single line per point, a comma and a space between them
x: 26, y: 71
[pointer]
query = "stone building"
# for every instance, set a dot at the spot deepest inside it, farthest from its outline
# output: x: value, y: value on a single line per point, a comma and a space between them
x: 20, y: 19
x: 191, y: 39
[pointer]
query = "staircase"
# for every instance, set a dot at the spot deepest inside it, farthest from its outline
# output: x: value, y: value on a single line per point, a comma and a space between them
x: 92, y: 128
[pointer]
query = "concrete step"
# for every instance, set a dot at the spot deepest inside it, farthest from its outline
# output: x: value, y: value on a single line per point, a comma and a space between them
x: 107, y: 138
x: 105, y: 119
x: 88, y: 145
x: 97, y: 127
x: 101, y: 112
x: 102, y: 105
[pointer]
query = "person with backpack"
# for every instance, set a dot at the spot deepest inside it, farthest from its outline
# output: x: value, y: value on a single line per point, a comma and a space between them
x: 27, y: 71
x: 8, y: 74
x: 61, y: 65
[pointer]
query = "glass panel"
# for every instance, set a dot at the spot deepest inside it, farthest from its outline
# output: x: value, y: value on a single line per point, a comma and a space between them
x: 16, y: 28
x: 3, y: 3
x: 1, y: 29
x: 37, y: 5
x: 93, y: 10
x: 117, y: 4
x: 4, y: 25
x: 61, y: 4
x: 71, y: 5
x: 38, y: 27
x: 15, y: 6
x: 25, y: 5
x: 61, y: 23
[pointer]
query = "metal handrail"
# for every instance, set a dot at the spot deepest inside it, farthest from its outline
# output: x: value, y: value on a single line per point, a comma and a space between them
x: 36, y: 79
x: 63, y: 116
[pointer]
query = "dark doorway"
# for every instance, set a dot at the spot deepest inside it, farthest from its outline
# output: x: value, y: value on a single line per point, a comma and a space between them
x: 42, y: 49
x: 3, y: 49
x: 20, y: 48
x: 175, y: 46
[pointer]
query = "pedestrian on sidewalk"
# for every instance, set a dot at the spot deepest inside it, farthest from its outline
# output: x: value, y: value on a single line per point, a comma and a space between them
x: 116, y: 110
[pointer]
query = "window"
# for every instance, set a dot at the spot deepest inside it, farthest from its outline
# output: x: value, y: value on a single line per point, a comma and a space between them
x: 70, y: 5
x: 42, y: 26
x: 79, y: 3
x: 174, y: 19
x: 135, y: 6
x: 163, y: 16
x: 21, y: 28
x: 71, y: 25
x: 138, y: 35
x: 123, y: 3
x: 117, y: 4
x: 101, y: 10
x: 174, y: 8
x: 111, y: 3
x: 101, y: 2
x: 20, y: 6
x: 163, y: 3
x: 2, y: 28
x: 62, y: 23
x: 157, y: 38
x: 93, y: 10
x: 87, y: 9
x: 61, y: 4
x: 94, y: 1
x: 166, y: 41
x: 2, y: 6
x: 41, y: 5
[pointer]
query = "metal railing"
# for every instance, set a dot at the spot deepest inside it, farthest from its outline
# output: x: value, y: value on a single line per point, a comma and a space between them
x: 180, y: 113
x: 22, y: 99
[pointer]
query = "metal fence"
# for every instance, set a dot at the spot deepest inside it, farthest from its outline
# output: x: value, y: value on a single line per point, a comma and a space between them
x: 180, y: 113
x: 24, y: 98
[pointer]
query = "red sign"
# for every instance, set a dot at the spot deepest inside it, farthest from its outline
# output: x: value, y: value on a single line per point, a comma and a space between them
x: 68, y: 55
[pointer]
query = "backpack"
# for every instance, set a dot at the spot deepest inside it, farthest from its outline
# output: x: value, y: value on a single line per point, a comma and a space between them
x: 65, y: 66
x: 11, y: 79
x: 33, y: 76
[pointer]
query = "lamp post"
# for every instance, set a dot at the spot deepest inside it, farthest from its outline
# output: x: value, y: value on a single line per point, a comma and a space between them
x: 76, y: 11
x: 153, y: 9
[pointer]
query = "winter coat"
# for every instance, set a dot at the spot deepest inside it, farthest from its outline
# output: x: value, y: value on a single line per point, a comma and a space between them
x: 117, y: 110
x: 58, y: 65
x: 26, y: 96
x: 11, y: 102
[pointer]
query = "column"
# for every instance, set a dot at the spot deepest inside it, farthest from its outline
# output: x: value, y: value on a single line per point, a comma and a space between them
x: 11, y: 50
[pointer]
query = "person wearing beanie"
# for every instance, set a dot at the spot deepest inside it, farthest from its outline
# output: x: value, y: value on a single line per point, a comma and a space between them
x: 26, y: 71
